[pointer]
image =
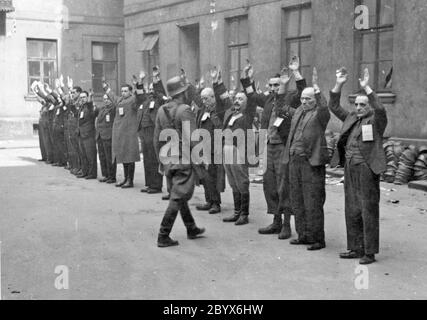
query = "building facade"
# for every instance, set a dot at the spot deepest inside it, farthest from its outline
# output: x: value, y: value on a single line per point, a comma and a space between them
x: 42, y: 39
x: 386, y: 36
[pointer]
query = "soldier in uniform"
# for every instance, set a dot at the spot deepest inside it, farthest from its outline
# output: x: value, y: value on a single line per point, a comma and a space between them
x: 211, y: 117
x: 307, y: 154
x: 177, y: 115
x: 147, y: 113
x: 125, y: 147
x: 276, y: 119
x: 360, y: 151
x: 86, y: 134
x: 104, y: 137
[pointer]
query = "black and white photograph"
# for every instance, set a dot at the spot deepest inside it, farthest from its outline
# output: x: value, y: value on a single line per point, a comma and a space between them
x: 227, y: 151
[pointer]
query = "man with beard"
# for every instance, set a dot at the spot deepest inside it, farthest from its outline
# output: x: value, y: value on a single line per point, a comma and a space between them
x: 276, y: 118
x: 177, y: 115
x: 104, y: 138
x: 210, y: 117
x: 147, y: 113
x: 306, y: 153
x: 125, y: 146
x: 360, y: 151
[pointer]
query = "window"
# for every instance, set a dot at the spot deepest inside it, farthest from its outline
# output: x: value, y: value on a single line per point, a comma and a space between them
x: 238, y: 49
x: 150, y: 51
x: 374, y: 46
x: 42, y: 62
x: 104, y: 66
x: 297, y: 38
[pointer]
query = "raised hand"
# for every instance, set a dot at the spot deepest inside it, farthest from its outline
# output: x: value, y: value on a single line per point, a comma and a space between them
x: 214, y: 74
x: 57, y: 84
x: 342, y: 76
x: 134, y: 80
x: 294, y: 64
x: 61, y: 81
x: 249, y: 70
x: 70, y: 83
x: 35, y: 86
x: 285, y: 78
x: 315, y: 80
x: 142, y: 75
x: 365, y: 81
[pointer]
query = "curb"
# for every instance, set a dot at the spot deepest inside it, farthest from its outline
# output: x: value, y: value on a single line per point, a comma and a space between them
x: 418, y: 185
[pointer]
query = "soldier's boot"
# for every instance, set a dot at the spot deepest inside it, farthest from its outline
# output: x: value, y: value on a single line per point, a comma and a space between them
x: 286, y: 232
x: 244, y: 210
x: 129, y: 183
x: 237, y: 208
x: 126, y: 173
x: 273, y: 228
x: 195, y: 233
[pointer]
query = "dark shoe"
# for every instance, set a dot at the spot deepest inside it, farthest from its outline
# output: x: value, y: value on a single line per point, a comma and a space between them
x: 121, y: 184
x: 367, y: 259
x: 216, y: 208
x: 166, y: 241
x: 286, y: 232
x: 232, y: 218
x: 166, y: 197
x: 316, y: 246
x: 144, y: 190
x: 242, y: 221
x: 128, y: 185
x: 153, y: 191
x: 204, y: 207
x: 299, y: 242
x: 195, y: 233
x: 111, y: 181
x: 273, y: 228
x: 90, y: 178
x: 103, y: 180
x: 351, y: 255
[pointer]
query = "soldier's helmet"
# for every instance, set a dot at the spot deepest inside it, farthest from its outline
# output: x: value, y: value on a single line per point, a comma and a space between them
x: 175, y: 86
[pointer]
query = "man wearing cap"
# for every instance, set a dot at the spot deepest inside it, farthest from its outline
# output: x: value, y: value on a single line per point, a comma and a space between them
x: 178, y: 117
x: 360, y: 151
x: 307, y: 154
x: 278, y: 109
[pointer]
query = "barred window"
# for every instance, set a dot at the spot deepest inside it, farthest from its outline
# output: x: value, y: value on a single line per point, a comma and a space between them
x: 104, y: 66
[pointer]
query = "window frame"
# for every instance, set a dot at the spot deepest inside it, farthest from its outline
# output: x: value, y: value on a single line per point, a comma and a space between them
x: 104, y: 62
x: 150, y: 60
x: 41, y: 60
x: 239, y: 47
x: 358, y: 48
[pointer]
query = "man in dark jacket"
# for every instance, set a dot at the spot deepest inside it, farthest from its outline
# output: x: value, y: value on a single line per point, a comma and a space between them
x: 306, y: 153
x: 104, y: 139
x: 360, y: 151
x: 276, y: 120
x: 86, y: 134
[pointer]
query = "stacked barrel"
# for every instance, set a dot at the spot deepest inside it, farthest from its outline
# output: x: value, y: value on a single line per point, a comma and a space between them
x: 420, y: 167
x: 405, y: 171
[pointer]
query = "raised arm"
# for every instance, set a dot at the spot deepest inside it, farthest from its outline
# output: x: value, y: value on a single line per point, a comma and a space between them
x: 335, y: 95
x: 322, y: 105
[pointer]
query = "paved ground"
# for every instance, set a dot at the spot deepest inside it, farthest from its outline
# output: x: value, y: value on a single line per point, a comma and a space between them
x: 107, y: 240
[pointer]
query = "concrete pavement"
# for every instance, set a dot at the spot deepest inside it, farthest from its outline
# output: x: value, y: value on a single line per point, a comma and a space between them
x: 106, y: 239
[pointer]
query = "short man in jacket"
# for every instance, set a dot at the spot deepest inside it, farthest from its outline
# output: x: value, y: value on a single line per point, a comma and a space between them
x: 177, y: 115
x: 104, y: 139
x: 306, y: 153
x: 360, y: 151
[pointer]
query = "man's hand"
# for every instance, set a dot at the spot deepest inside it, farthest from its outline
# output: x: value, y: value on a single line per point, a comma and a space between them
x: 214, y: 74
x: 35, y: 86
x: 342, y: 76
x: 249, y: 71
x: 315, y: 81
x: 294, y: 64
x: 365, y: 81
x: 47, y: 88
x: 57, y: 84
x: 142, y: 75
x: 61, y: 81
x: 134, y: 80
x: 156, y: 74
x: 70, y: 83
x: 285, y: 78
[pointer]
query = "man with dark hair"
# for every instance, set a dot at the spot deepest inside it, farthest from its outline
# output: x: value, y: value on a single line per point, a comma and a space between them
x: 278, y: 108
x: 104, y: 136
x: 73, y: 105
x: 86, y: 134
x: 360, y: 151
x: 307, y: 154
x: 125, y: 146
x: 177, y: 115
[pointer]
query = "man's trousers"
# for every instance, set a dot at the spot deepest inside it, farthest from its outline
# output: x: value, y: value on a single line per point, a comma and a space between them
x: 273, y: 177
x: 59, y: 142
x: 153, y: 179
x: 88, y: 154
x: 108, y: 168
x: 43, y: 147
x: 210, y: 182
x: 307, y: 192
x: 362, y: 196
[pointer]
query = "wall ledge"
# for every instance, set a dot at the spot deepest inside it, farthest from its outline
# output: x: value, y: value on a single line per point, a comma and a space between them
x: 385, y: 97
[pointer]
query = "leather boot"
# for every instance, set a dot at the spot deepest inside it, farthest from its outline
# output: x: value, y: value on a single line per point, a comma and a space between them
x: 286, y: 232
x: 131, y: 171
x: 244, y: 210
x: 237, y: 207
x: 126, y: 173
x: 165, y: 241
x: 195, y: 233
x: 273, y: 228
